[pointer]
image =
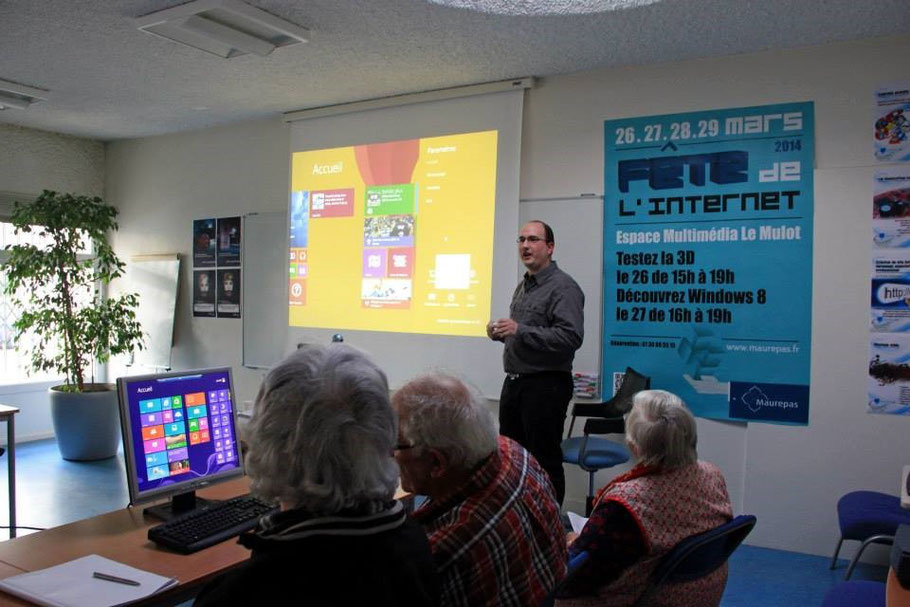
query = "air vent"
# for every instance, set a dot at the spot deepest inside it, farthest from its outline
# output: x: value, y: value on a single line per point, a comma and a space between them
x: 19, y: 96
x: 227, y: 28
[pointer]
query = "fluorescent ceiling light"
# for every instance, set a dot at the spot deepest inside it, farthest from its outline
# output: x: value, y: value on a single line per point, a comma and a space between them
x: 544, y: 7
x: 19, y: 96
x: 227, y: 28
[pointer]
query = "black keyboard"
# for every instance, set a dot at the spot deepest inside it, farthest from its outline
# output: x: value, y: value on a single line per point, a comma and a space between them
x: 211, y: 524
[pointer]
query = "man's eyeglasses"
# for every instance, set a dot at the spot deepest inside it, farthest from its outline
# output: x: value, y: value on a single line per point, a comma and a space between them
x: 403, y: 447
x: 531, y: 239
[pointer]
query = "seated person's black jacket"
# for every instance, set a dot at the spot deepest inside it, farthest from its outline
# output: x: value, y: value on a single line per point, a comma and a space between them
x: 344, y: 560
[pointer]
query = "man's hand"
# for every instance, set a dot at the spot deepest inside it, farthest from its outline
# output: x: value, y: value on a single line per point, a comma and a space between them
x: 571, y: 537
x: 491, y: 333
x: 498, y: 330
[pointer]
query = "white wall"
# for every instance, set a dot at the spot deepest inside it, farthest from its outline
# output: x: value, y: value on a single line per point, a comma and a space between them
x: 790, y: 477
x: 34, y: 161
x: 38, y: 160
x: 161, y: 184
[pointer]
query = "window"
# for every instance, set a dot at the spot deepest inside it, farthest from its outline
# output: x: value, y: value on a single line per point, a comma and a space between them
x: 14, y: 362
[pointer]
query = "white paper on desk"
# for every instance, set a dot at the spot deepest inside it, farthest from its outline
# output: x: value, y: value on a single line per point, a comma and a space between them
x: 71, y: 584
x: 577, y: 521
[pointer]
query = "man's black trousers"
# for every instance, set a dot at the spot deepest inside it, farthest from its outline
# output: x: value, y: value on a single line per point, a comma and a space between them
x: 532, y: 411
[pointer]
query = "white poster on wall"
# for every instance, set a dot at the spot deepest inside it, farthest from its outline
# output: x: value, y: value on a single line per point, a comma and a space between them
x: 891, y: 130
x: 889, y: 350
x: 889, y: 373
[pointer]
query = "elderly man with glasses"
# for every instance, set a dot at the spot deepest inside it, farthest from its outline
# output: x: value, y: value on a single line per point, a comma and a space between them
x: 491, y: 517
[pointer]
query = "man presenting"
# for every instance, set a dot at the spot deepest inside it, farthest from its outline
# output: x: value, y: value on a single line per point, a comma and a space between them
x: 544, y: 329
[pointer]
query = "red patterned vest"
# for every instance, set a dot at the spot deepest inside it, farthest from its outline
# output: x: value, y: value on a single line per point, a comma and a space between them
x: 668, y: 508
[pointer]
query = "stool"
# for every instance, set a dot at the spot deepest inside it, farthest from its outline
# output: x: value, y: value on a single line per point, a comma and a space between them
x: 592, y: 454
x: 869, y: 517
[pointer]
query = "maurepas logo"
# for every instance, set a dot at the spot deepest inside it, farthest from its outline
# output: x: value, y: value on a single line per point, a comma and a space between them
x: 755, y: 399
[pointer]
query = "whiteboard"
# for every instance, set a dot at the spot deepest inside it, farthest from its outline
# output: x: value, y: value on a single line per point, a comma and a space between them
x: 265, y: 288
x: 155, y: 278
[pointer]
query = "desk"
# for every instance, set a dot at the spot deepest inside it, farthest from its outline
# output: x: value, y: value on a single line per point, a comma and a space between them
x: 6, y: 414
x: 122, y: 536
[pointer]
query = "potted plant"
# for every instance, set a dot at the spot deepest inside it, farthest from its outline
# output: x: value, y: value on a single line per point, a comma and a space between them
x: 65, y: 325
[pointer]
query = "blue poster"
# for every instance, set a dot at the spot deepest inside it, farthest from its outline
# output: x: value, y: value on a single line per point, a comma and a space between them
x: 708, y: 257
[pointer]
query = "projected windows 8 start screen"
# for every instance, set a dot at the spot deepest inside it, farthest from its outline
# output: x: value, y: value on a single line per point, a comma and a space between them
x: 394, y: 236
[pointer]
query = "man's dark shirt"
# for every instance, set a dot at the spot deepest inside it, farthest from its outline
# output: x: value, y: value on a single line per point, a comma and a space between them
x: 549, y: 309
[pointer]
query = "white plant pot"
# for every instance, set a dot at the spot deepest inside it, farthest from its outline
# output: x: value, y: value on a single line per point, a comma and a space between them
x: 87, y: 424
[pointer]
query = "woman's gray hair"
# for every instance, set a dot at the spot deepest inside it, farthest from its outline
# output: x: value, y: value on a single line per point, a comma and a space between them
x: 322, y: 433
x: 662, y: 429
x: 442, y: 412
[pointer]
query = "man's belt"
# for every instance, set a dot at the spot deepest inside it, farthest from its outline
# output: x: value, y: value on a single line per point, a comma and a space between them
x: 514, y: 376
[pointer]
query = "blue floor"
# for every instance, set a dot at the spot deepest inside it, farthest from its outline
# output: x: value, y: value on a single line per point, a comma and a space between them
x: 777, y: 578
x: 51, y: 492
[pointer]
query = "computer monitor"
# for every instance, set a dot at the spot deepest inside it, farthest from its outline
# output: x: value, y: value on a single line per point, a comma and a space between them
x: 179, y: 434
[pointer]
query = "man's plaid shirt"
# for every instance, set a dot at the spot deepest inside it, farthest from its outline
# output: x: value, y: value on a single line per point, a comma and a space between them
x: 498, y: 539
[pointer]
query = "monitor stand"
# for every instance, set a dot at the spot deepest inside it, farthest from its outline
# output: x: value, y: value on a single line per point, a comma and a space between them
x: 179, y: 504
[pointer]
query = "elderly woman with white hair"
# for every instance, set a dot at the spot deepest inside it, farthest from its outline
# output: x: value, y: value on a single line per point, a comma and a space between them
x: 639, y: 516
x: 320, y: 445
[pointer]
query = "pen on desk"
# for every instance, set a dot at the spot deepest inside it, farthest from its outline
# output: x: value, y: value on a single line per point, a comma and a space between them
x: 113, y: 578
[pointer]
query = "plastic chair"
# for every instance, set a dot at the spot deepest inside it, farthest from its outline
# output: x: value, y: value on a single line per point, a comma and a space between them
x: 591, y: 453
x: 698, y: 555
x: 869, y: 517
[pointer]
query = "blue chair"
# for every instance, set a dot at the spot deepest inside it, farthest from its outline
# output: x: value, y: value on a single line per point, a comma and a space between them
x: 698, y: 555
x: 692, y: 558
x: 575, y: 564
x: 869, y: 517
x: 591, y: 453
x: 866, y: 593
